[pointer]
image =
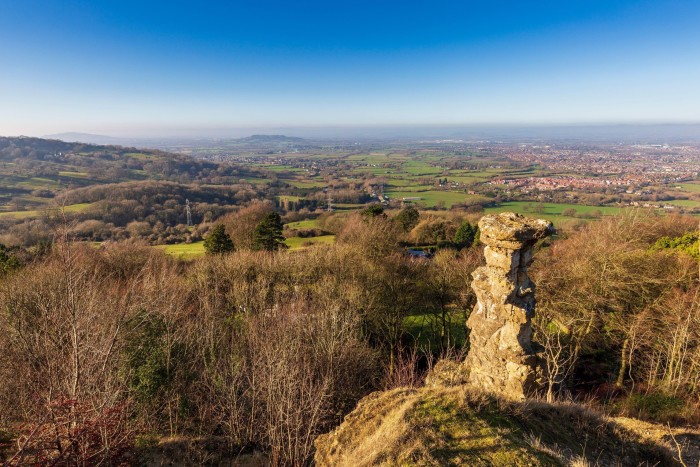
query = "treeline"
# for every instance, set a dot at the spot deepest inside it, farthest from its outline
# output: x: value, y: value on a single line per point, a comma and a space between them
x: 157, y: 201
x: 102, y: 350
x: 150, y: 210
x: 619, y: 314
x: 413, y: 228
x: 340, y: 194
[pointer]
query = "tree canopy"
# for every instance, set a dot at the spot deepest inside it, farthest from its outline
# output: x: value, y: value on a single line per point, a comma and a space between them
x: 373, y: 210
x: 408, y: 218
x: 218, y: 241
x: 465, y: 235
x: 268, y: 234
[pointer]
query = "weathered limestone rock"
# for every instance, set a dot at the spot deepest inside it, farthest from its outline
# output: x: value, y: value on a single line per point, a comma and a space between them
x: 501, y: 358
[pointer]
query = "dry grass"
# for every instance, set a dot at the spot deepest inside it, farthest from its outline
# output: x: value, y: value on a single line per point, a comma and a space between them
x: 454, y: 426
x: 379, y: 421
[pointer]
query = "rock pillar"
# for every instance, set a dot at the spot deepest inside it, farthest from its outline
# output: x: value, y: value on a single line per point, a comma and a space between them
x: 501, y: 359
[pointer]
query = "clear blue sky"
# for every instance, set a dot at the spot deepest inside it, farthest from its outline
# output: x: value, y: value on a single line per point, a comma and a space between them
x: 155, y: 67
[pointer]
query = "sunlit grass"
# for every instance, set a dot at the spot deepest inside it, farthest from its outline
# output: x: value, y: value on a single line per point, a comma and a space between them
x: 433, y: 197
x: 72, y: 208
x: 552, y: 211
x: 184, y: 250
x: 305, y: 224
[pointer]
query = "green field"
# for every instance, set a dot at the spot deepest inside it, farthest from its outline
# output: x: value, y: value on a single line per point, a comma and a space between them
x: 551, y: 211
x: 38, y: 182
x: 400, y: 182
x: 71, y: 208
x: 305, y: 224
x: 373, y: 158
x: 21, y: 214
x: 280, y: 168
x: 184, y: 250
x: 256, y: 180
x: 693, y: 187
x: 418, y: 168
x: 432, y: 198
x: 468, y: 178
x: 67, y: 173
x: 415, y: 187
x: 684, y: 203
x: 306, y: 184
x: 297, y: 243
x: 289, y: 198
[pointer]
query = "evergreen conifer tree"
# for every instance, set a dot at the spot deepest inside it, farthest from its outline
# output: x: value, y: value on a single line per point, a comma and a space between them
x: 218, y: 241
x: 268, y: 234
x: 465, y: 235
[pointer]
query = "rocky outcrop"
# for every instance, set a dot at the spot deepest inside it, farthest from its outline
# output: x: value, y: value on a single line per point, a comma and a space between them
x: 501, y: 359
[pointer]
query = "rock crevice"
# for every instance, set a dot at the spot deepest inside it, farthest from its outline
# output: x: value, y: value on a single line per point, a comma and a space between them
x: 501, y: 358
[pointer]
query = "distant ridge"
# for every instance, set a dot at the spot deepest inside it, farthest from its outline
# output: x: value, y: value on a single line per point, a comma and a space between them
x: 73, y: 137
x: 271, y: 139
x: 89, y: 138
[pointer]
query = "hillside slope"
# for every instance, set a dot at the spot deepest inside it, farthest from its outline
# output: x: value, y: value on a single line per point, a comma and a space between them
x: 452, y: 426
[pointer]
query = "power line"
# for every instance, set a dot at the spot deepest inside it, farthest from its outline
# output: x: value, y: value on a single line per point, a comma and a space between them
x: 189, y: 213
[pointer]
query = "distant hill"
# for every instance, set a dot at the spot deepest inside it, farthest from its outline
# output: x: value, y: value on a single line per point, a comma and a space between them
x: 267, y: 139
x: 50, y: 165
x: 73, y: 137
x: 169, y: 144
x: 112, y: 185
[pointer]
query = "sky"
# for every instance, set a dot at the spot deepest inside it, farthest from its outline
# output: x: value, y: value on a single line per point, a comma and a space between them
x: 156, y: 68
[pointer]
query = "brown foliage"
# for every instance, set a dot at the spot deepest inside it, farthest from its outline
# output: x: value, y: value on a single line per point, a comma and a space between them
x: 603, y: 291
x: 241, y: 224
x: 71, y: 433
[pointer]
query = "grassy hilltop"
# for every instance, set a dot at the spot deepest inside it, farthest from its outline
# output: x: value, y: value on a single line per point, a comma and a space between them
x: 451, y: 427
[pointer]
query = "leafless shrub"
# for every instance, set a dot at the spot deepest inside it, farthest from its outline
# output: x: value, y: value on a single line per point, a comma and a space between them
x: 72, y: 433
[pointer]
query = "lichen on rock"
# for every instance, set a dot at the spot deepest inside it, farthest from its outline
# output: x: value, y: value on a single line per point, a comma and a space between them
x: 501, y: 359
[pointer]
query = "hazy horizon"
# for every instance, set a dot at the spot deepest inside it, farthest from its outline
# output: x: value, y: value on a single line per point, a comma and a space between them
x: 161, y: 68
x: 617, y: 133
